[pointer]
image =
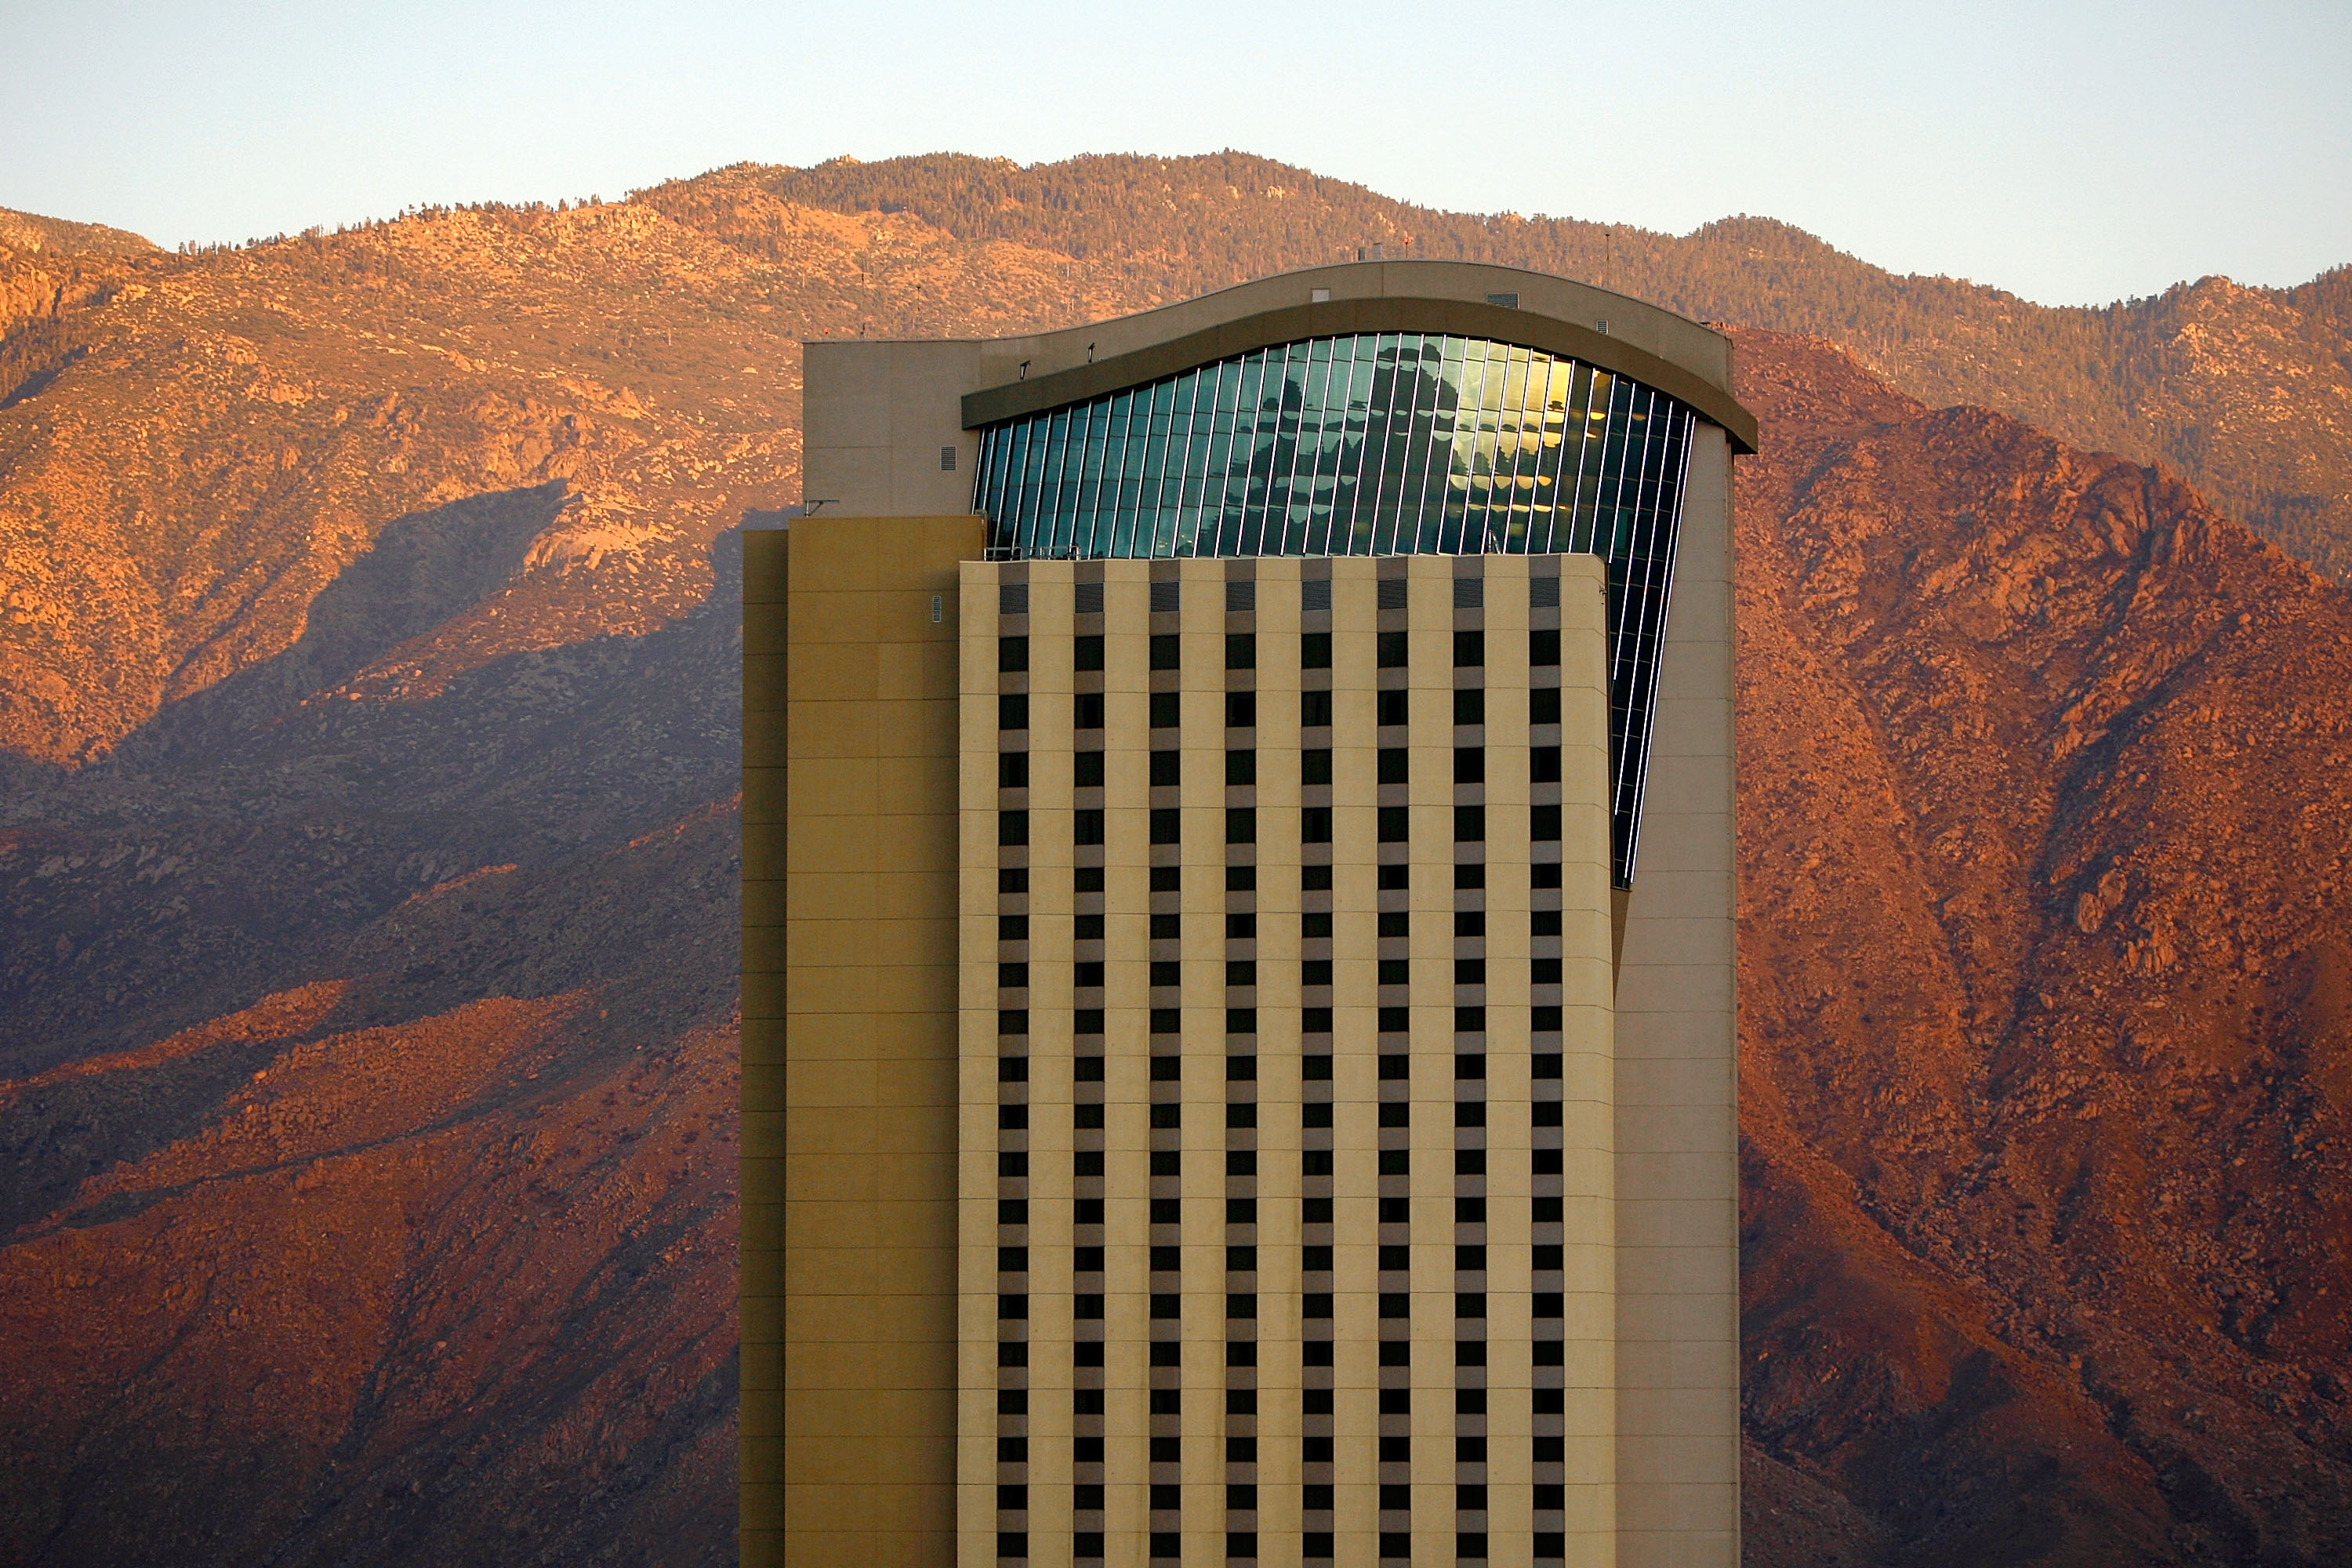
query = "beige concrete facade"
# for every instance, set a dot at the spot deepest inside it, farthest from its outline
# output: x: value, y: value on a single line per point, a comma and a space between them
x: 880, y: 1141
x: 1038, y: 888
x: 849, y: 1042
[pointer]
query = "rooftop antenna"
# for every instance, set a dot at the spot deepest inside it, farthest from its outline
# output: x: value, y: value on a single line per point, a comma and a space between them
x: 808, y: 508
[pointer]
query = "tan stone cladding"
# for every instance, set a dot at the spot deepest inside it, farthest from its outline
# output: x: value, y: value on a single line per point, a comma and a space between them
x: 849, y: 1042
x: 1288, y: 1163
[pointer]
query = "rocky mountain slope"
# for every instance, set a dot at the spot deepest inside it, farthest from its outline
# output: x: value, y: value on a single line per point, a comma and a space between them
x: 2047, y: 1070
x: 2247, y: 392
x: 367, y: 693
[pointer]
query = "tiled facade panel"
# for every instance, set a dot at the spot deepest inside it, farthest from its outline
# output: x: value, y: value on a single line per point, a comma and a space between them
x: 1677, y: 1089
x: 850, y: 1059
x: 1286, y: 1063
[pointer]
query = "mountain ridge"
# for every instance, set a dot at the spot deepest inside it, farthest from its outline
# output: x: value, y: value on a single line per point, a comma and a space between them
x: 367, y: 907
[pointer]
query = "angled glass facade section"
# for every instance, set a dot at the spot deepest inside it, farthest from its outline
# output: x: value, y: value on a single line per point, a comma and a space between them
x: 1373, y: 443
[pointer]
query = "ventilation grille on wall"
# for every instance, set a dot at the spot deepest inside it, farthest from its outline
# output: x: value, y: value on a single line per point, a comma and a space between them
x: 1314, y: 593
x: 1012, y: 598
x: 1391, y: 593
x: 1469, y: 593
x: 1165, y: 597
x: 1090, y: 599
x: 1241, y: 595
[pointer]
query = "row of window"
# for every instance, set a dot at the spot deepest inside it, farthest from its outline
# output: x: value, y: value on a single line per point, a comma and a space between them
x: 1389, y: 650
x: 1390, y: 708
x: 1391, y: 765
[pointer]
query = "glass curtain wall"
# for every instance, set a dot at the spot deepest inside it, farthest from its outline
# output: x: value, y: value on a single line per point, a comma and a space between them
x: 1375, y: 444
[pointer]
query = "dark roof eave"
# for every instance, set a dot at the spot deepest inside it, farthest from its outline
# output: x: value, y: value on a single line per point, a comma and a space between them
x: 1341, y: 317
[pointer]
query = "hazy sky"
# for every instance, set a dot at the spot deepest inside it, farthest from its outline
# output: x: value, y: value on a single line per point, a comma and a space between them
x: 2071, y: 151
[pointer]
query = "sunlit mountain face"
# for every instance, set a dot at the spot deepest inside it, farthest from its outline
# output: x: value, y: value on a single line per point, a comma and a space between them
x: 369, y: 714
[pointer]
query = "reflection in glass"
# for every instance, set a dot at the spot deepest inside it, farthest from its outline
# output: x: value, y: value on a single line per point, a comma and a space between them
x: 1373, y: 443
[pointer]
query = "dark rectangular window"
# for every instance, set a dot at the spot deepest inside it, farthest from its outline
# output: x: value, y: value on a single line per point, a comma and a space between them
x: 1240, y: 1020
x: 1168, y: 879
x: 1012, y: 712
x: 1087, y: 653
x: 1314, y: 923
x: 1315, y: 825
x: 1315, y: 1021
x: 1241, y: 879
x: 1315, y: 766
x: 1469, y: 922
x: 1241, y: 972
x: 1544, y: 1020
x: 1469, y: 971
x: 1469, y: 764
x: 1470, y: 650
x: 1240, y: 825
x: 1544, y: 922
x: 1012, y: 1021
x: 1241, y: 709
x: 1469, y: 707
x: 1544, y: 972
x: 1013, y: 827
x: 1166, y: 710
x: 1013, y: 928
x: 1389, y: 707
x: 1469, y: 823
x: 1013, y: 976
x: 1543, y: 764
x: 1393, y: 763
x: 1469, y: 1020
x: 1086, y: 771
x: 1388, y: 649
x: 1086, y: 710
x: 1395, y: 972
x: 1240, y: 768
x: 1543, y: 823
x: 1167, y: 769
x: 1012, y: 879
x: 1395, y: 824
x: 1543, y: 705
x: 1166, y: 928
x: 1240, y: 927
x: 1544, y: 874
x: 1013, y: 654
x: 1164, y: 652
x: 1168, y: 826
x: 1315, y: 971
x: 1166, y: 1020
x: 1543, y: 648
x: 1013, y: 1069
x: 1315, y: 651
x: 1315, y: 879
x: 1013, y: 770
x: 1167, y: 972
x: 1395, y: 1020
x: 1241, y: 651
x: 1315, y: 709
x: 1396, y: 922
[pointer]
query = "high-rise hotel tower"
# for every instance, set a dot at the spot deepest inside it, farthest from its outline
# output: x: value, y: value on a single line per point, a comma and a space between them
x: 1238, y: 942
